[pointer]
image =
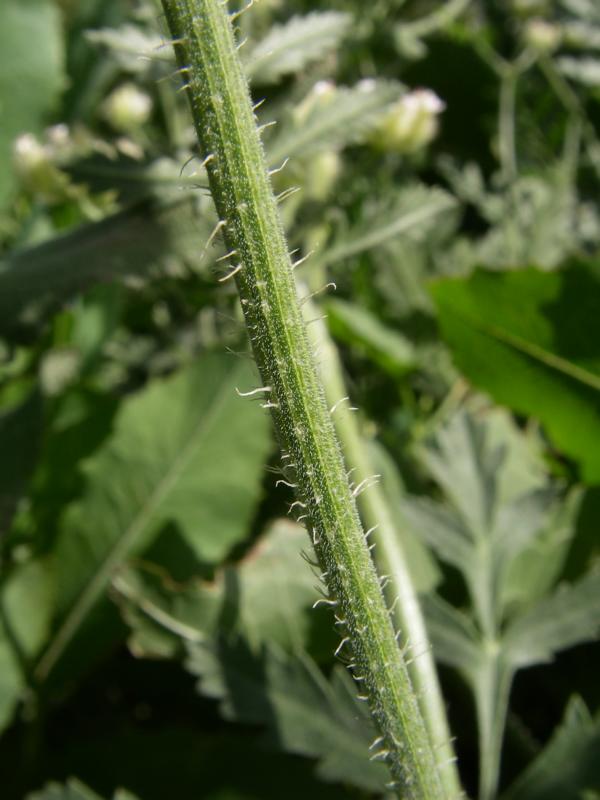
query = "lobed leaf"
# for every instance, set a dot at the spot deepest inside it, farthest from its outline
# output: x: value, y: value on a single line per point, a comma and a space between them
x: 568, y: 617
x: 304, y: 713
x: 568, y: 765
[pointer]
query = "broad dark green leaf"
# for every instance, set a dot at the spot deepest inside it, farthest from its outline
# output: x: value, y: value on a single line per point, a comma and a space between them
x: 568, y: 765
x: 31, y: 74
x: 186, y: 451
x: 303, y: 712
x: 532, y: 340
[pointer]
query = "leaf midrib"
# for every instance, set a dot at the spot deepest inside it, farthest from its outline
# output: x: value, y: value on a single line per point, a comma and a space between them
x: 94, y: 588
x: 535, y: 351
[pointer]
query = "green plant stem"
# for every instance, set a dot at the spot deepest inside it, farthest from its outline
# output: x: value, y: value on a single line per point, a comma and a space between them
x: 389, y: 557
x: 250, y: 223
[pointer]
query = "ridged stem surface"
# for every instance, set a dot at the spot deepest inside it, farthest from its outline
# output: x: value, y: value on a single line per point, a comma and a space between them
x: 223, y: 116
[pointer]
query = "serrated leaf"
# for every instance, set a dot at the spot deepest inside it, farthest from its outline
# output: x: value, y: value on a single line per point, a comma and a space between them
x: 568, y: 617
x: 530, y: 339
x: 442, y: 530
x: 303, y: 712
x: 332, y: 119
x: 186, y: 451
x: 298, y: 42
x: 568, y: 765
x: 413, y: 213
x: 134, y: 50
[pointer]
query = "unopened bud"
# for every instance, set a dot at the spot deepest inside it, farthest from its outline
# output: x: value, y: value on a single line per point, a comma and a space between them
x: 411, y: 123
x: 127, y: 108
x: 542, y: 36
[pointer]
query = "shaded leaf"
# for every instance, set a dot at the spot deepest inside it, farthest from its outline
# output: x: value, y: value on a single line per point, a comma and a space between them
x: 25, y: 608
x: 568, y: 764
x: 568, y: 617
x: 265, y: 597
x: 304, y: 713
x: 530, y: 339
x: 20, y: 435
x: 453, y: 636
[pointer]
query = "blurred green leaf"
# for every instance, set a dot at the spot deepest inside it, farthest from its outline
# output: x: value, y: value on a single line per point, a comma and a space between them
x: 568, y: 765
x: 568, y: 617
x: 530, y: 339
x: 20, y: 436
x: 25, y: 616
x: 332, y: 117
x: 74, y: 789
x: 304, y: 713
x: 359, y: 328
x: 31, y: 74
x: 290, y: 47
x: 140, y: 242
x: 413, y: 213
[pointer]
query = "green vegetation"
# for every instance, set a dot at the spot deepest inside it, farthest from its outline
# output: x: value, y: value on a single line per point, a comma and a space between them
x: 160, y: 634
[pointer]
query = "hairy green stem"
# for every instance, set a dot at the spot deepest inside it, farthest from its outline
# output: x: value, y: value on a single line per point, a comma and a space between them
x: 250, y: 223
x: 389, y: 558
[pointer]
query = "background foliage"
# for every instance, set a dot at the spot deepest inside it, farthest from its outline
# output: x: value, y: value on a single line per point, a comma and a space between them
x: 155, y: 616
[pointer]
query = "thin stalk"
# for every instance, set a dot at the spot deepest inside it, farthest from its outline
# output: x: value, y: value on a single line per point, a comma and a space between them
x: 225, y: 124
x: 390, y: 558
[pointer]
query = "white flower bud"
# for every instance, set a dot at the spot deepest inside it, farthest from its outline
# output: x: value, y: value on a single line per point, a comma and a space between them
x: 542, y: 36
x: 127, y: 108
x: 411, y: 123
